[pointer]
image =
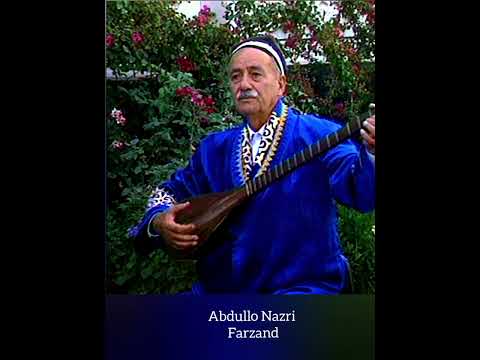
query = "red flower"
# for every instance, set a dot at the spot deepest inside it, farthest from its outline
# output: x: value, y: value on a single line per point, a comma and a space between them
x: 185, y: 91
x: 209, y: 101
x: 356, y: 69
x: 186, y: 65
x: 288, y: 26
x: 110, y: 40
x: 371, y: 16
x: 197, y: 98
x: 137, y: 37
x: 291, y: 41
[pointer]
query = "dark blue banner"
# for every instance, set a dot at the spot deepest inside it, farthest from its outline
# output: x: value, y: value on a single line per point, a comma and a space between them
x: 235, y: 327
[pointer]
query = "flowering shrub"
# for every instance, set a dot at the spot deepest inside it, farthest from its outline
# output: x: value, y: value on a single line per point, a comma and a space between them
x: 154, y: 124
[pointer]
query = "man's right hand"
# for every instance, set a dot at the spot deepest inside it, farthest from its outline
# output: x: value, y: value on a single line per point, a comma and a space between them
x: 177, y: 236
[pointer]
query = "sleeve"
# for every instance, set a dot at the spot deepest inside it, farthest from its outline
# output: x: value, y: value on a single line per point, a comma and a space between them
x: 184, y: 183
x: 351, y: 171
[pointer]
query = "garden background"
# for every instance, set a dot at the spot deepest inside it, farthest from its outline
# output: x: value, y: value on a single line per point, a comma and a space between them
x: 167, y: 88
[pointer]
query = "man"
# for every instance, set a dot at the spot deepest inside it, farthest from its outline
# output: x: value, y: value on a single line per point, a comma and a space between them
x: 284, y: 240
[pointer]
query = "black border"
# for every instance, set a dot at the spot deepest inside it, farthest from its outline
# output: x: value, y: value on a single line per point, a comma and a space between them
x: 56, y: 130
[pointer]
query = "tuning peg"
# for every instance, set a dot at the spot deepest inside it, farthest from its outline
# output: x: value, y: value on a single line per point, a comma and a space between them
x: 371, y: 109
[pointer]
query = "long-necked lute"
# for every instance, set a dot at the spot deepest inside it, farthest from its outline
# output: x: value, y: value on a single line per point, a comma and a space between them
x: 207, y: 212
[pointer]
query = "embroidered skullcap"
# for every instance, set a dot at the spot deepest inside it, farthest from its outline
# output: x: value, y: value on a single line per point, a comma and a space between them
x: 268, y: 45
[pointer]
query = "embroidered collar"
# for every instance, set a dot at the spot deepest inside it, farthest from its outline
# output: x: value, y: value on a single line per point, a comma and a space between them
x: 271, y: 132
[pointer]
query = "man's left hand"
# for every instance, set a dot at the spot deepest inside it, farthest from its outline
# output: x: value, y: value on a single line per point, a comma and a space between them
x: 368, y: 134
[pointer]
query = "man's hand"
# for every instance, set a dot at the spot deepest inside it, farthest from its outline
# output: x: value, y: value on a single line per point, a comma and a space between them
x: 178, y: 236
x: 368, y: 134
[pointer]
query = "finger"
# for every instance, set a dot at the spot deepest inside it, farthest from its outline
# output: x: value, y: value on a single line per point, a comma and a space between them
x: 177, y: 227
x: 182, y: 244
x: 370, y: 128
x: 167, y: 222
x: 370, y: 140
x: 178, y: 240
x: 179, y: 207
x: 174, y: 227
x: 184, y: 238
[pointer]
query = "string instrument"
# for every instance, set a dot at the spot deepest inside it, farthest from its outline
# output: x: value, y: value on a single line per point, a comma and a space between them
x: 209, y: 211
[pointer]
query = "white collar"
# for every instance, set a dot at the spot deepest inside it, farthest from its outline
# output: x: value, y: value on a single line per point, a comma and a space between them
x: 251, y: 132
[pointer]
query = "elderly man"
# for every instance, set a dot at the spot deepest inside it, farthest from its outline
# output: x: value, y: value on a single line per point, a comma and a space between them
x: 284, y: 240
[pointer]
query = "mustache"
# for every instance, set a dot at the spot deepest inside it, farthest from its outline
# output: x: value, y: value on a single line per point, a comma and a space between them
x: 247, y: 94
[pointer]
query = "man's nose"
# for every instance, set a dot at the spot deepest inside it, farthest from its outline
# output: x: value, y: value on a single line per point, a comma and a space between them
x: 245, y: 84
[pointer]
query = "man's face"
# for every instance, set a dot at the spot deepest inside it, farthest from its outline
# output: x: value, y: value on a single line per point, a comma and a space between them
x: 255, y: 82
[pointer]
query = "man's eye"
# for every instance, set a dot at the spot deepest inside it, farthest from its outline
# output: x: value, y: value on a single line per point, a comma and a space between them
x: 235, y: 77
x: 256, y: 75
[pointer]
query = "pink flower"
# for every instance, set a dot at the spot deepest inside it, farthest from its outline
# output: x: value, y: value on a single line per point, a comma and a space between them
x: 210, y: 110
x: 137, y: 37
x: 118, y: 144
x: 339, y: 31
x: 205, y: 11
x: 351, y: 51
x: 203, y: 20
x: 204, y: 16
x: 119, y: 117
x: 110, y: 40
x: 186, y: 65
x: 115, y: 113
x: 121, y: 120
x: 197, y: 99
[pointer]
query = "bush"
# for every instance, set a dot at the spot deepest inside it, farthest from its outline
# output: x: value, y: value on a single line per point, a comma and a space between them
x: 154, y: 124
